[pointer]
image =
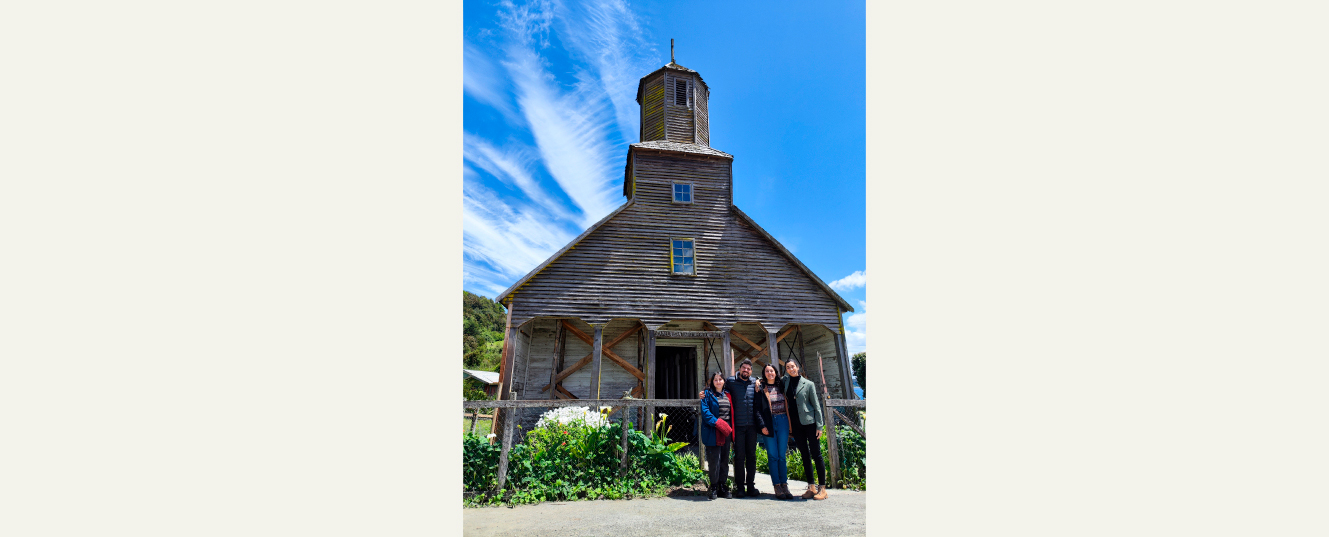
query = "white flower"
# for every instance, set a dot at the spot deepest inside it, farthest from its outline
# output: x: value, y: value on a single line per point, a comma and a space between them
x: 569, y: 414
x: 491, y: 435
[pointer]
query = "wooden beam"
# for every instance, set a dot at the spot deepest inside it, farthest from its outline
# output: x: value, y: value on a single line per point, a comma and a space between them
x: 586, y: 359
x: 624, y: 364
x: 508, y: 424
x: 774, y: 349
x: 726, y: 348
x: 553, y: 360
x: 563, y: 393
x: 597, y: 349
x: 649, y: 419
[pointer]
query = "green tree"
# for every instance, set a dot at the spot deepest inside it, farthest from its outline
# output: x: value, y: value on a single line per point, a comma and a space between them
x: 860, y: 365
x: 482, y: 326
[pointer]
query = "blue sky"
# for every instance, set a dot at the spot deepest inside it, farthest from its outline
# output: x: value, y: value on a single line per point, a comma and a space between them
x: 550, y: 109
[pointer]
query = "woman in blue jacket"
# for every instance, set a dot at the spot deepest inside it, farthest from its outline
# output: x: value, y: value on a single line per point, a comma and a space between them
x: 717, y: 409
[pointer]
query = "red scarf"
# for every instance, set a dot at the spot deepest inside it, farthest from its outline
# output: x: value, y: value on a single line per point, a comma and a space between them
x: 724, y: 431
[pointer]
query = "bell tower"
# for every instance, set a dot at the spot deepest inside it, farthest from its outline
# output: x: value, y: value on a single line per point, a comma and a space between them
x: 673, y: 105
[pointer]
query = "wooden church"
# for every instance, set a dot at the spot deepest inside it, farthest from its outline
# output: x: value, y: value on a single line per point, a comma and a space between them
x: 675, y: 282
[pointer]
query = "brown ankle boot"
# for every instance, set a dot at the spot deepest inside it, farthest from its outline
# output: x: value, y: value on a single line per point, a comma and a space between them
x: 812, y: 491
x: 821, y: 493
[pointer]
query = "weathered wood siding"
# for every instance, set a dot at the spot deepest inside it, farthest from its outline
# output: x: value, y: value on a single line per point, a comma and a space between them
x: 621, y: 269
x: 679, y: 124
x: 703, y: 117
x: 653, y: 109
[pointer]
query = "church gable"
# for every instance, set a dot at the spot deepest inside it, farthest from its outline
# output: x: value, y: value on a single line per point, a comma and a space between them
x: 622, y: 269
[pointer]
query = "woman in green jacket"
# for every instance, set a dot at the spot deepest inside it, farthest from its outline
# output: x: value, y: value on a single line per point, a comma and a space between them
x: 802, y: 396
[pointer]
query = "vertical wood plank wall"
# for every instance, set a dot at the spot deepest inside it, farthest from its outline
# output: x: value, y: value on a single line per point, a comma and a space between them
x: 678, y: 119
x: 653, y: 112
x: 703, y: 118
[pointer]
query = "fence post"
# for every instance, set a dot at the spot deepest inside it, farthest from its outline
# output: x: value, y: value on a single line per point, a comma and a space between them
x: 474, y: 417
x: 623, y: 463
x: 508, y: 423
x: 833, y: 450
x: 832, y: 446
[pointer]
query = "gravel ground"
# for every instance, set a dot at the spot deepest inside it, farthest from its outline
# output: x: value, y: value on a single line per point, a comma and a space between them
x: 841, y: 513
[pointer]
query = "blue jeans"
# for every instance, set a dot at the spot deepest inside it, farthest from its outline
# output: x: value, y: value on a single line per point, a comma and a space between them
x: 777, y: 449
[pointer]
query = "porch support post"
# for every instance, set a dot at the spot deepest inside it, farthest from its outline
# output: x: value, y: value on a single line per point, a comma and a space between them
x: 846, y: 368
x: 598, y: 350
x: 555, y: 362
x: 774, y: 347
x: 728, y: 352
x: 648, y: 421
x: 505, y: 372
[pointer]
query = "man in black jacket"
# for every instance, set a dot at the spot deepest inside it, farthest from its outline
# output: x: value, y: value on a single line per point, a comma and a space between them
x: 742, y: 388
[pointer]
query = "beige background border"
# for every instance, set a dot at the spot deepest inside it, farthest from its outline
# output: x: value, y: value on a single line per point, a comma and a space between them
x: 230, y: 265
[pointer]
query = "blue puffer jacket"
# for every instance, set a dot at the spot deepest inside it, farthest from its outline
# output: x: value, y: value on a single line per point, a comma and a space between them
x: 710, y: 410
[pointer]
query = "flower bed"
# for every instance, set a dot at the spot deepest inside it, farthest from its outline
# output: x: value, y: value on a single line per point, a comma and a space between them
x: 572, y: 454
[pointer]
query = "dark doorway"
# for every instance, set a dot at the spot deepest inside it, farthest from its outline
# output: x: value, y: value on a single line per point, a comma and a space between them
x: 676, y: 378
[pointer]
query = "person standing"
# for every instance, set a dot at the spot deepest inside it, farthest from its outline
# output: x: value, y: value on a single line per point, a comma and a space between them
x: 716, y: 412
x: 742, y: 389
x: 807, y: 421
x: 772, y: 416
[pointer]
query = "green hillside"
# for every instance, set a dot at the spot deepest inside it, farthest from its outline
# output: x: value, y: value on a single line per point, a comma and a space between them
x: 483, y: 321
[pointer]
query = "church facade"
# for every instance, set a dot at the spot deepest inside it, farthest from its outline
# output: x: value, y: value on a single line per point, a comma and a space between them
x: 674, y: 283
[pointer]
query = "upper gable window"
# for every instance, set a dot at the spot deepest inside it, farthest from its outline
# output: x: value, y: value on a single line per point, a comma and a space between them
x: 680, y: 91
x: 682, y: 193
x: 682, y: 257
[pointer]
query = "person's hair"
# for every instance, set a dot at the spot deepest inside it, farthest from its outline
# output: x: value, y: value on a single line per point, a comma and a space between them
x: 763, y: 372
x: 746, y: 361
x: 710, y: 381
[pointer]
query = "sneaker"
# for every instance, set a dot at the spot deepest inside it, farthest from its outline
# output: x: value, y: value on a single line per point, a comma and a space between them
x: 711, y: 496
x: 728, y: 494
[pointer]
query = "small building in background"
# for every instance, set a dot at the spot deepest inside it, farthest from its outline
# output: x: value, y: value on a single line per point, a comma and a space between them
x: 487, y: 379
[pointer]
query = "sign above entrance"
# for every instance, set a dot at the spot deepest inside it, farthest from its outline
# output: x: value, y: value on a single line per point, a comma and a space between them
x: 679, y: 334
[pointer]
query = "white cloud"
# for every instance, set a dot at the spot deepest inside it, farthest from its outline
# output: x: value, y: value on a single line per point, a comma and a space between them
x: 856, y: 330
x: 853, y: 281
x: 483, y: 80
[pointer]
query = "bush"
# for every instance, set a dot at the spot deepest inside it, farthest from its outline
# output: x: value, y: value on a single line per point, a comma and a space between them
x: 567, y: 458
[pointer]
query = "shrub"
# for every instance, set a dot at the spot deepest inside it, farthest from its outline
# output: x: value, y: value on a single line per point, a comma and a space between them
x: 575, y: 454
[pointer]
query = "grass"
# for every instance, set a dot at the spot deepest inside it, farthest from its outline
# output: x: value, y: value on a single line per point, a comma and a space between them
x: 482, y: 425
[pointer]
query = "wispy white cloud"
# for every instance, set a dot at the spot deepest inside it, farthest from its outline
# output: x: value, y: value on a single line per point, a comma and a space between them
x: 608, y: 37
x: 508, y: 241
x: 853, y: 281
x: 856, y: 330
x: 483, y: 80
x: 512, y: 166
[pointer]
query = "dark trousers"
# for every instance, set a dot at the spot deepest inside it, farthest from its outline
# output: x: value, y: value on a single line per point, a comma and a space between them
x: 805, y: 439
x: 717, y: 459
x: 745, y: 455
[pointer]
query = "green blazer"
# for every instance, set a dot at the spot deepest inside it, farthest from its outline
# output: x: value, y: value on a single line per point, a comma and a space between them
x: 805, y: 403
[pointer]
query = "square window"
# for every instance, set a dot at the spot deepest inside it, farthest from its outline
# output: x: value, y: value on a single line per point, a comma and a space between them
x: 682, y: 193
x: 682, y: 256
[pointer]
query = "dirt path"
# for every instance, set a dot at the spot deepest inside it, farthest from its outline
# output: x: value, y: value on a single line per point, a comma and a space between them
x: 842, y: 513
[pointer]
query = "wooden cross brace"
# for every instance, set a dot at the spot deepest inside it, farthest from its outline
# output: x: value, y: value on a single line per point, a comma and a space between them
x: 604, y: 350
x: 762, y: 349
